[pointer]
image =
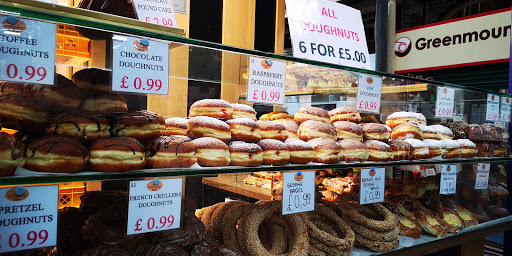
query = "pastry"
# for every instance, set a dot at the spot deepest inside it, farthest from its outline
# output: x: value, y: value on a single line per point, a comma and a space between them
x: 348, y: 130
x: 276, y: 115
x: 117, y: 154
x: 211, y: 152
x: 349, y: 114
x: 311, y: 129
x: 56, y: 154
x: 11, y: 154
x: 175, y: 151
x: 272, y: 130
x: 215, y: 108
x: 353, y: 150
x: 92, y: 80
x: 435, y: 147
x: 326, y: 150
x: 399, y: 118
x: 443, y: 132
x: 374, y: 131
x: 406, y: 131
x: 20, y: 113
x: 243, y: 111
x: 468, y: 149
x: 291, y: 127
x: 304, y: 114
x: 244, y: 129
x: 300, y: 151
x: 421, y: 150
x: 245, y: 154
x: 402, y: 150
x: 105, y: 103
x: 204, y: 126
x: 176, y: 126
x: 429, y: 132
x: 141, y: 125
x: 275, y: 152
x: 82, y: 125
x: 378, y: 151
x: 452, y: 148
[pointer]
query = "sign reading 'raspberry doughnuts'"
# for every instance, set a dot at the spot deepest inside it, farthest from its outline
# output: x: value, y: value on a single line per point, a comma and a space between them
x: 298, y: 192
x: 27, y: 50
x: 372, y: 185
x: 266, y: 81
x: 28, y: 217
x: 140, y: 65
x: 154, y: 205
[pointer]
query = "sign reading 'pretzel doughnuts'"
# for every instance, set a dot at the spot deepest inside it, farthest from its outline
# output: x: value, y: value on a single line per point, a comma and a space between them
x: 298, y: 192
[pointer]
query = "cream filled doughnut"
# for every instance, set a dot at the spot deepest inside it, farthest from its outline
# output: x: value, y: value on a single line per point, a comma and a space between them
x: 452, y: 148
x: 435, y: 147
x: 272, y: 130
x: 244, y: 129
x: 57, y: 154
x: 176, y: 126
x: 374, y: 131
x: 348, y: 130
x: 326, y: 150
x: 346, y: 113
x: 311, y: 113
x: 429, y: 132
x: 141, y: 125
x: 211, y: 152
x: 291, y: 127
x: 243, y: 111
x: 105, y: 104
x: 378, y: 151
x: 468, y: 149
x: 311, y: 129
x: 401, y: 150
x: 205, y: 126
x: 300, y: 151
x: 353, y: 150
x: 275, y: 152
x: 443, y: 132
x: 117, y: 154
x: 215, y: 108
x: 421, y: 150
x: 399, y: 118
x: 406, y: 131
x: 245, y: 154
x: 175, y: 151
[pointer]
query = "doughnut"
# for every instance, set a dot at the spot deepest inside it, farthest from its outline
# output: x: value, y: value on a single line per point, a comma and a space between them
x: 276, y: 115
x: 11, y: 154
x: 205, y: 126
x: 291, y: 127
x: 211, y: 152
x: 311, y: 129
x: 349, y: 114
x: 82, y: 125
x: 191, y: 233
x: 407, y: 206
x: 468, y: 149
x: 458, y: 130
x: 117, y: 154
x: 326, y: 150
x: 421, y: 150
x: 215, y: 108
x: 243, y: 111
x: 176, y: 126
x: 20, y: 113
x: 272, y: 130
x: 244, y: 129
x: 483, y: 149
x: 245, y: 154
x: 211, y: 248
x: 56, y: 154
x: 275, y: 152
x: 378, y: 151
x: 300, y: 151
x: 443, y: 132
x: 353, y: 150
x: 453, y: 220
x: 348, y: 130
x: 406, y: 131
x: 501, y: 149
x: 384, y: 222
x: 141, y: 125
x: 175, y: 151
x: 92, y: 80
x: 105, y: 104
x: 430, y: 222
x: 429, y: 132
x: 215, y: 228
x: 452, y: 148
x: 248, y: 230
x: 399, y: 118
x: 401, y: 150
x: 304, y: 114
x: 435, y: 147
x: 230, y: 222
x: 408, y: 227
x: 374, y: 131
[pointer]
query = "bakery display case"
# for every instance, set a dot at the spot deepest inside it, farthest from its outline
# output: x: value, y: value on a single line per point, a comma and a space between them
x: 444, y: 170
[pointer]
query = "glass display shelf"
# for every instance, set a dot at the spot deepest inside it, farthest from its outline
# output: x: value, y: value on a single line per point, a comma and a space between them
x: 41, y: 178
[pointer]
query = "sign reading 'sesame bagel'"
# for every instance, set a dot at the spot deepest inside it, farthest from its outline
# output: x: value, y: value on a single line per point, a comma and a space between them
x: 472, y: 40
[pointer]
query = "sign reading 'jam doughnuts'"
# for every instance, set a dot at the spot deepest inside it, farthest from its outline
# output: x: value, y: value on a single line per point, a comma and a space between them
x: 28, y: 217
x: 154, y: 205
x: 140, y: 65
x: 27, y: 50
x: 298, y: 192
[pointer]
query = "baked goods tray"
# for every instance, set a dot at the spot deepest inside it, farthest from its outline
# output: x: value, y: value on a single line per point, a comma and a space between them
x: 425, y: 244
x: 23, y: 176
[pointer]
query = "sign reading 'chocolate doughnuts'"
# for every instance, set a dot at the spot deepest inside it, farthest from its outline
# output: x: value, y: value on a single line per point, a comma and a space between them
x: 28, y: 217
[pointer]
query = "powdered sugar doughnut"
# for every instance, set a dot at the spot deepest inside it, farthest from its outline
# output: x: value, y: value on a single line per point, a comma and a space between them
x: 204, y: 126
x: 326, y: 150
x: 300, y: 151
x: 435, y: 147
x: 272, y: 130
x: 443, y: 132
x: 353, y: 150
x: 403, y: 117
x: 176, y: 126
x: 291, y: 127
x: 406, y: 131
x: 344, y: 114
x: 429, y: 132
x: 452, y: 148
x: 219, y: 109
x: 243, y: 111
x: 244, y: 129
x: 245, y: 154
x: 211, y: 152
x: 468, y: 149
x: 311, y: 129
x: 401, y: 150
x: 275, y: 152
x: 311, y: 113
x: 378, y: 151
x: 348, y: 130
x: 421, y: 150
x: 374, y: 131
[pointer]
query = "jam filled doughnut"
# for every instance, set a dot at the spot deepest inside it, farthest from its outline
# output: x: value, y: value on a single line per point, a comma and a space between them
x: 244, y: 129
x: 374, y: 131
x: 326, y: 150
x: 401, y: 150
x: 349, y: 114
x: 435, y: 147
x: 276, y: 115
x: 272, y: 130
x: 421, y: 150
x: 175, y: 151
x: 348, y: 130
x: 429, y: 132
x: 311, y: 129
x: 399, y: 118
x: 92, y: 80
x: 378, y: 151
x: 353, y: 150
x: 56, y: 154
x: 291, y: 127
x: 117, y: 154
x: 176, y: 126
x: 311, y: 113
x: 82, y: 125
x: 211, y: 152
x: 245, y: 154
x: 105, y: 104
x: 468, y: 149
x: 406, y: 131
x: 142, y: 125
x: 11, y: 154
x: 18, y: 112
x: 300, y: 151
x: 215, y: 108
x: 275, y: 152
x: 452, y: 148
x: 443, y: 132
x: 243, y: 111
x: 205, y: 126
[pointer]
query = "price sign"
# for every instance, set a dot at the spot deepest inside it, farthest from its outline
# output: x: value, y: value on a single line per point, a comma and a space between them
x: 28, y: 50
x: 157, y: 12
x: 298, y: 192
x: 266, y: 81
x: 448, y: 179
x: 372, y: 185
x: 430, y: 172
x: 493, y: 108
x: 482, y: 175
x: 506, y: 103
x: 369, y: 91
x: 154, y: 205
x: 444, y: 102
x: 28, y: 217
x: 326, y: 31
x: 140, y: 66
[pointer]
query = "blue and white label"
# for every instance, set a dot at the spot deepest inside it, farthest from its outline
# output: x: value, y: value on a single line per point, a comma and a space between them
x: 372, y: 185
x: 493, y: 108
x: 298, y: 192
x: 448, y: 179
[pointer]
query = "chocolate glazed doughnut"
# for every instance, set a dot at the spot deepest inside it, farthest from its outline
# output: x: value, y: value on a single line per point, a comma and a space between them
x: 82, y: 125
x: 170, y: 152
x: 141, y: 125
x: 117, y: 154
x: 56, y: 154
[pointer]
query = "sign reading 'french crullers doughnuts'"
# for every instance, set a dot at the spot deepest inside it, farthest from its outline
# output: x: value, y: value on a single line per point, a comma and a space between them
x: 298, y: 192
x: 27, y: 50
x: 154, y: 205
x: 140, y: 65
x: 28, y: 217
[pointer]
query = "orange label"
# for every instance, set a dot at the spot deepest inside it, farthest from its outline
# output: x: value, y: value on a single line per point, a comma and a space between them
x: 299, y: 177
x: 152, y: 187
x: 11, y: 195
